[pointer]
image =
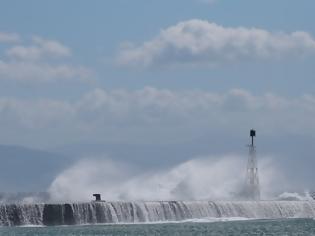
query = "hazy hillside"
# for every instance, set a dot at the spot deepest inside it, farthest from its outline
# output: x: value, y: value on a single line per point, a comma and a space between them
x: 23, y: 169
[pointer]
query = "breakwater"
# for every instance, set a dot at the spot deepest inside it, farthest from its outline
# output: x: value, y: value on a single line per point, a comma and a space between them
x: 153, y: 211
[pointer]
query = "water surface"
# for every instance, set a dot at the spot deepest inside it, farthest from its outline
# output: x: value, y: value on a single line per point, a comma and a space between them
x: 250, y: 227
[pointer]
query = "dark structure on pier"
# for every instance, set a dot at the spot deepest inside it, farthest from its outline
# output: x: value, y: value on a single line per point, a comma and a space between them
x: 97, y: 197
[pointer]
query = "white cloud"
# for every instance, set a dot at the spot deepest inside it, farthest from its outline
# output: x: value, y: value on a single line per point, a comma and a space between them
x: 22, y: 52
x: 198, y: 42
x: 41, y: 48
x: 154, y: 114
x: 41, y: 72
x: 52, y: 47
x: 34, y: 63
x: 9, y: 37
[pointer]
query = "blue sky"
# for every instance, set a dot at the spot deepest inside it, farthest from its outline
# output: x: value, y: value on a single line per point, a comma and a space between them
x: 65, y: 54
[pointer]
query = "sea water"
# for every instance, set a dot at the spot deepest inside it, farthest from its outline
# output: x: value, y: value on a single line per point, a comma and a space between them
x: 279, y: 227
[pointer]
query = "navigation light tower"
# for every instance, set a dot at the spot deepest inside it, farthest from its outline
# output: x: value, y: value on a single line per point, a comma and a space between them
x: 252, y: 179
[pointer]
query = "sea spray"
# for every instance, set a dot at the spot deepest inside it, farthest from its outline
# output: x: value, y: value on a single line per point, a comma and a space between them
x: 204, y: 178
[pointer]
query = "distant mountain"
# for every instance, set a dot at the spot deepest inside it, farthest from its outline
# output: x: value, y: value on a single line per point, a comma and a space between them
x: 27, y: 170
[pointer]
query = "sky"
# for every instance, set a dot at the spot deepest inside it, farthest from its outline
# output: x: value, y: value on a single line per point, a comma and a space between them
x: 142, y: 72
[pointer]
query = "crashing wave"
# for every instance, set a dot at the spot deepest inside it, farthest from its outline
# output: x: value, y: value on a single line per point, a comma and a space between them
x: 287, y: 196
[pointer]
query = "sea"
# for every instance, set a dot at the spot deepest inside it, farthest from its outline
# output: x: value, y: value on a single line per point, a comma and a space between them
x: 279, y: 227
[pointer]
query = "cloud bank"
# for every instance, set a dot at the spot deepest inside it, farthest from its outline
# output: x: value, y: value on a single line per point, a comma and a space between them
x: 199, y: 42
x: 147, y: 113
